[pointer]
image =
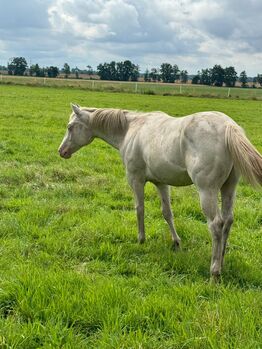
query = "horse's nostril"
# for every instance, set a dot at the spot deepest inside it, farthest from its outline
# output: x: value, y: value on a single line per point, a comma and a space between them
x: 61, y: 152
x: 64, y: 153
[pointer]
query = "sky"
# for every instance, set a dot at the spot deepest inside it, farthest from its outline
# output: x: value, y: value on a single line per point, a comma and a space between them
x: 194, y: 34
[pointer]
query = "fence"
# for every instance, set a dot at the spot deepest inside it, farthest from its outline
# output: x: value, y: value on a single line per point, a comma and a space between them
x: 138, y: 87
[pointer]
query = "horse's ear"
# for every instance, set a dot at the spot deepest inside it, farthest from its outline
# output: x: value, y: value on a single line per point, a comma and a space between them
x: 76, y: 109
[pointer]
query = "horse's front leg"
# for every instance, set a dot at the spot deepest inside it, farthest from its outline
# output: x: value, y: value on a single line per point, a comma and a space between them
x: 138, y: 188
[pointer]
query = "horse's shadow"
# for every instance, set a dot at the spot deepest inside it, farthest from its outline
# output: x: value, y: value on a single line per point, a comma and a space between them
x: 188, y: 263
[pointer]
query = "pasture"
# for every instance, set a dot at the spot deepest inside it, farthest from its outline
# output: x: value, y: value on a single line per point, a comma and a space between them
x: 72, y: 274
x: 148, y: 88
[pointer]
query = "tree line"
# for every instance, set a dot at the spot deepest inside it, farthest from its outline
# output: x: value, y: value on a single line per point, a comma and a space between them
x: 118, y: 71
x: 128, y: 71
x: 219, y: 76
x: 166, y: 73
x: 216, y: 76
x: 19, y: 66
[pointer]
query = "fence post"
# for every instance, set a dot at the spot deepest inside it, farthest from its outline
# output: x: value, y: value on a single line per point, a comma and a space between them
x: 44, y: 81
x: 93, y: 84
x: 180, y: 89
x: 228, y: 93
x: 136, y: 87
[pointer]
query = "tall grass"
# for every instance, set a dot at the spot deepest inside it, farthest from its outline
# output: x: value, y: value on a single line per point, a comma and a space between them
x: 71, y: 272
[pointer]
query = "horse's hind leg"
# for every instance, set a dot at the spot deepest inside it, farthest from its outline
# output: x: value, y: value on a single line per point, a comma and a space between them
x: 209, y: 204
x: 164, y: 194
x: 227, y: 195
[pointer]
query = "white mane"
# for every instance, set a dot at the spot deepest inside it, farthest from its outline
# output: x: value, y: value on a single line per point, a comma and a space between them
x: 112, y: 120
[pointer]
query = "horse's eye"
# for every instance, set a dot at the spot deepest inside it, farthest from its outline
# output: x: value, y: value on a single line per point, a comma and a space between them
x: 70, y: 127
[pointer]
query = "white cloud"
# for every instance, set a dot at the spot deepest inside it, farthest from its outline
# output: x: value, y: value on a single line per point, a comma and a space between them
x: 111, y: 19
x: 194, y: 34
x: 68, y: 22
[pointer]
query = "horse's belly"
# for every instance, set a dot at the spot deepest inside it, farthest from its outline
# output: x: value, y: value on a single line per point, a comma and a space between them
x: 168, y: 174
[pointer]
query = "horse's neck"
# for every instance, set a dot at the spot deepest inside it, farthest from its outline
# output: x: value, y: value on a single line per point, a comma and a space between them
x: 113, y: 139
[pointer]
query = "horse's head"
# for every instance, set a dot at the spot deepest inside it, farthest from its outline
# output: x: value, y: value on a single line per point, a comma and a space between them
x: 78, y: 134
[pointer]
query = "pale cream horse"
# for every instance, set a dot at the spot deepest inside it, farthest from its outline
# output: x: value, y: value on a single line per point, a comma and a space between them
x: 208, y: 149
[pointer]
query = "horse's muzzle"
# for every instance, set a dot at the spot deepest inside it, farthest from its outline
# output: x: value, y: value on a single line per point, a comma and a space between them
x: 64, y: 153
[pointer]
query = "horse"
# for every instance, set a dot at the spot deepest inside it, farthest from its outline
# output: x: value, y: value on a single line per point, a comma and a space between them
x: 207, y: 149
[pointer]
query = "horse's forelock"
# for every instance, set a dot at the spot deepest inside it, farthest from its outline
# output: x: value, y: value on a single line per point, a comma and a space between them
x: 74, y: 116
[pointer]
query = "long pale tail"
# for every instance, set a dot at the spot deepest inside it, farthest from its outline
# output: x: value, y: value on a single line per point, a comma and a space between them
x: 245, y: 156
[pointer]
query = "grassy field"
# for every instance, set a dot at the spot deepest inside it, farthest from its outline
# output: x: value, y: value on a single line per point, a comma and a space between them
x: 187, y: 90
x: 71, y: 272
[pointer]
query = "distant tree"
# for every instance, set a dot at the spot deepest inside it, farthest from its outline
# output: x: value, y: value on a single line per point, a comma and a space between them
x: 17, y: 66
x: 196, y: 79
x: 205, y: 77
x: 112, y: 70
x: 243, y: 78
x: 66, y: 70
x: 167, y: 71
x: 102, y: 71
x: 128, y: 68
x: 146, y: 76
x: 34, y: 70
x: 52, y: 72
x: 37, y: 70
x: 230, y: 76
x: 135, y: 72
x: 121, y: 71
x: 259, y: 79
x: 42, y: 72
x: 184, y: 76
x: 124, y: 70
x: 154, y: 74
x: 107, y: 71
x: 175, y: 73
x: 217, y: 75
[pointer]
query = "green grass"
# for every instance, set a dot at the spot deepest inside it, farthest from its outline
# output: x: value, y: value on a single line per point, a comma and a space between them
x: 148, y: 88
x: 71, y: 272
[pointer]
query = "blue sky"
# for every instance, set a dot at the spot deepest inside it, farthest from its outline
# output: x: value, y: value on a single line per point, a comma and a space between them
x: 193, y: 34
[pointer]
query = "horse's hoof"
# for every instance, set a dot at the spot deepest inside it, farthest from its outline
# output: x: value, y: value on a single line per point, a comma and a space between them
x: 176, y: 246
x: 215, y: 278
x: 141, y: 240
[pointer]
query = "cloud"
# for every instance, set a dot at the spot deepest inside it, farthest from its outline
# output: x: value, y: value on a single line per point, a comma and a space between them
x: 194, y: 34
x: 15, y: 15
x: 25, y: 30
x: 127, y: 29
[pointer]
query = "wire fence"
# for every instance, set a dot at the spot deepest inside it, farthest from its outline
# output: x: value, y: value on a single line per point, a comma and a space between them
x: 138, y: 87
